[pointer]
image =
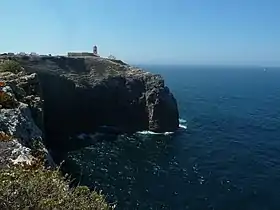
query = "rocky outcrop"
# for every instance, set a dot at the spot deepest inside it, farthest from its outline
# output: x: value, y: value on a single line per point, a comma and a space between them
x: 21, y: 139
x: 82, y: 94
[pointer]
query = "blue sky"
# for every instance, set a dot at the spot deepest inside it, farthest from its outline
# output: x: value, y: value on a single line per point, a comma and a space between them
x: 147, y: 31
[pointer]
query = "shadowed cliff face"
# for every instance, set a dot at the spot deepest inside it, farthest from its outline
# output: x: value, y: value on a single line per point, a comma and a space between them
x: 81, y: 94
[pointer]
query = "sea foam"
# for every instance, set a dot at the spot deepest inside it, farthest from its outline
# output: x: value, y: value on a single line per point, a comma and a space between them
x: 182, y: 125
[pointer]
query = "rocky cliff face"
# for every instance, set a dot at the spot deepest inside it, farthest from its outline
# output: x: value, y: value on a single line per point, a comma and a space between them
x: 21, y: 120
x: 82, y: 94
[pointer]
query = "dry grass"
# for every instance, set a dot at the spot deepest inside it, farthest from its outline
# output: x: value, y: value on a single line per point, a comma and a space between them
x: 38, y: 188
x: 5, y: 137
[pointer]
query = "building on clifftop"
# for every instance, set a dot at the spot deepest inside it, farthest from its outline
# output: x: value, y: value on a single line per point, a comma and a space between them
x: 85, y: 54
x: 95, y: 53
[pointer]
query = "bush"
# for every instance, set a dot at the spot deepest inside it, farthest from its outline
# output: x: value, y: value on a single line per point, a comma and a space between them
x: 10, y: 65
x: 42, y: 189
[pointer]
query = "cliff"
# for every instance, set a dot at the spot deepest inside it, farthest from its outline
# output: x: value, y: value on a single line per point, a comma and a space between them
x: 21, y: 120
x: 79, y: 95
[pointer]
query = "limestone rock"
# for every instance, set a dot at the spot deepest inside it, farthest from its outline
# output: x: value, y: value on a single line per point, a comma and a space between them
x: 17, y: 122
x: 82, y: 94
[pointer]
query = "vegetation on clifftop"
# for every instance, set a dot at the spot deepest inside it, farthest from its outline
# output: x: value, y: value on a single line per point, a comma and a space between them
x: 42, y: 189
x: 10, y: 66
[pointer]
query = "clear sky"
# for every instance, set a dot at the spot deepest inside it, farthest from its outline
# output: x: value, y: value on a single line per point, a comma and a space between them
x: 147, y: 31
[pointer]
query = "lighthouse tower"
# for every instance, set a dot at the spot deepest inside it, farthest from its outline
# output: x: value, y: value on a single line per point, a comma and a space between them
x: 95, y: 53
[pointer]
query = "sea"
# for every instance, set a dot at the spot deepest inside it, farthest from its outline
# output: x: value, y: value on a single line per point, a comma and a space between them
x: 225, y: 156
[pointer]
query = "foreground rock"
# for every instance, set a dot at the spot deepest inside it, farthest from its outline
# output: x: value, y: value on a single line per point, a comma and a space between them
x: 21, y: 139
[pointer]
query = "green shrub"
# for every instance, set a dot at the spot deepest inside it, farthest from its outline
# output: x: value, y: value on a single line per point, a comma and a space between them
x: 42, y: 189
x: 10, y: 66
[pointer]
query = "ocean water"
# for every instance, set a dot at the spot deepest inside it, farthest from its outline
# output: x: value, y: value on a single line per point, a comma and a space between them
x: 225, y: 156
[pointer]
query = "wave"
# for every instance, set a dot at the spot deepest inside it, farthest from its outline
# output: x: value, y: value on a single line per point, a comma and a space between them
x: 109, y: 129
x: 182, y: 121
x: 182, y: 125
x: 153, y: 133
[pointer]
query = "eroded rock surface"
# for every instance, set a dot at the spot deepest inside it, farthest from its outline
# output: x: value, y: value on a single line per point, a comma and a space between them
x: 20, y: 119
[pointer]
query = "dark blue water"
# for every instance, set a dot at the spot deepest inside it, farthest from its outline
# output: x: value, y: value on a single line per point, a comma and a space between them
x: 228, y: 158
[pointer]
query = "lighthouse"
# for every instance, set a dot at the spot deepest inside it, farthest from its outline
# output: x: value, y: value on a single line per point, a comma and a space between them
x: 95, y: 53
